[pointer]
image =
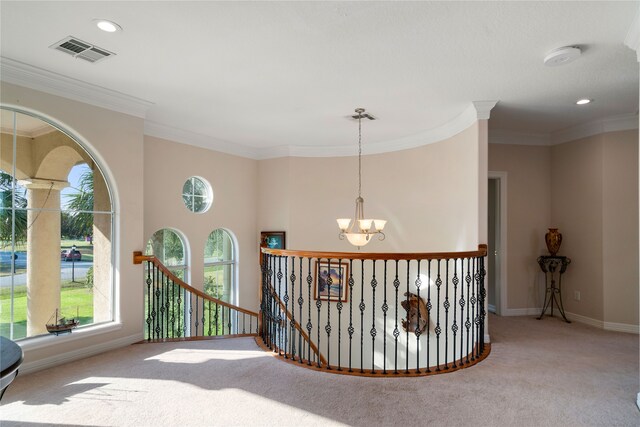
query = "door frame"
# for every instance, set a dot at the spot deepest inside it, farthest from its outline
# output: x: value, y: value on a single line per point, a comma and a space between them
x: 501, y: 259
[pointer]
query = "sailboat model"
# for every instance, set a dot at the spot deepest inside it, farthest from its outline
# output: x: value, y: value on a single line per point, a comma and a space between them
x: 62, y: 325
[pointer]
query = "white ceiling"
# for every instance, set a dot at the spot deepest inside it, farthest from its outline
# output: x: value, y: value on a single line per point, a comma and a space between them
x: 270, y: 74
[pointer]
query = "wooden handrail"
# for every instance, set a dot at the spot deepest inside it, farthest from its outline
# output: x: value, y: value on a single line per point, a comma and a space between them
x: 481, y: 252
x: 138, y: 258
x: 283, y: 307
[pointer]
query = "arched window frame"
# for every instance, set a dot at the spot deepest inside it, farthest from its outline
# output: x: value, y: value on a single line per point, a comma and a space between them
x: 42, y: 341
x: 233, y: 262
x: 184, y: 266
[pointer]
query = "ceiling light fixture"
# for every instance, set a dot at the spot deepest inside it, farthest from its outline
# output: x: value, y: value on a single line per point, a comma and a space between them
x: 562, y: 55
x: 365, y: 227
x: 108, y: 26
x: 583, y: 101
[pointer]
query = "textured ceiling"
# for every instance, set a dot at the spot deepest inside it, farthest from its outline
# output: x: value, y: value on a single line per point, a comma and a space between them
x: 268, y: 74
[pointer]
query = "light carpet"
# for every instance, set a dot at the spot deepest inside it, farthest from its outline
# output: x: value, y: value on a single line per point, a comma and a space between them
x: 539, y: 373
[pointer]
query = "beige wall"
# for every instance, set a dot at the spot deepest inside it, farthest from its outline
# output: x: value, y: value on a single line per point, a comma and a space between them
x: 528, y: 217
x: 620, y: 227
x: 576, y: 209
x: 588, y: 188
x: 116, y: 140
x: 429, y: 195
x: 167, y: 165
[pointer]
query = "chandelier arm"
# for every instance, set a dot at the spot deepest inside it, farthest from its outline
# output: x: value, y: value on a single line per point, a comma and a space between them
x: 381, y: 236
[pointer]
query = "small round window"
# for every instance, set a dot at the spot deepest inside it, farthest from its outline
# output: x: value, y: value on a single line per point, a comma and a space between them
x: 197, y: 194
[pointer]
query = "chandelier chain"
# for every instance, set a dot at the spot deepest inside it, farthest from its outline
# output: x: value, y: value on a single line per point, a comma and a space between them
x: 359, y: 154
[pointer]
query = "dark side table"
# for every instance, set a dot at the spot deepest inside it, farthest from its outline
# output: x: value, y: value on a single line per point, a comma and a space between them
x: 552, y: 266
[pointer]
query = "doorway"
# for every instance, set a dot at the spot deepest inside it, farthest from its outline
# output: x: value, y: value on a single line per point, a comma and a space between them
x: 496, y: 250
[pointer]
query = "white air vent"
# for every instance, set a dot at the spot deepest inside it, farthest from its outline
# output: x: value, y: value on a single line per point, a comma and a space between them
x: 81, y: 49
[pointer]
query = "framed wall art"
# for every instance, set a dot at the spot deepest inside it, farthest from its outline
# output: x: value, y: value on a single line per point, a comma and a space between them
x: 337, y: 288
x: 273, y: 239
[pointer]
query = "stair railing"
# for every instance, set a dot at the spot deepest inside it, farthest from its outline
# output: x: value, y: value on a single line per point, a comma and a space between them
x: 175, y: 310
x: 375, y: 314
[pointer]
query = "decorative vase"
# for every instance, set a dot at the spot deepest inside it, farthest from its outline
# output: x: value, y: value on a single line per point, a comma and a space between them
x: 553, y: 238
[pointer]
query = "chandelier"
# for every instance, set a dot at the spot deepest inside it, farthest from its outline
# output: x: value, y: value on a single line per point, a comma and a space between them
x: 360, y: 230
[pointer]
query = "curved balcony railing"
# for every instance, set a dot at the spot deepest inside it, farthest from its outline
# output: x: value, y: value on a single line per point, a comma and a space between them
x: 176, y: 311
x: 375, y: 314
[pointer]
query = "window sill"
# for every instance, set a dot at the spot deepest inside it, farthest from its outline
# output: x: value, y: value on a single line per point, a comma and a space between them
x: 43, y: 341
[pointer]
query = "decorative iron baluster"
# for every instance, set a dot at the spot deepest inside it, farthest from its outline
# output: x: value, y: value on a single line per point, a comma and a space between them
x: 467, y: 323
x: 279, y: 318
x: 483, y: 294
x: 293, y: 310
x: 446, y: 315
x: 190, y: 296
x: 406, y: 362
x: 438, y: 330
x: 203, y: 316
x: 300, y: 304
x: 149, y: 298
x: 173, y: 307
x: 215, y: 320
x: 429, y: 307
x: 318, y: 306
x: 418, y: 331
x: 167, y: 305
x: 161, y: 303
x: 339, y: 306
x: 228, y: 319
x: 454, y: 327
x: 244, y: 330
x: 327, y: 327
x: 179, y: 302
x: 374, y: 283
x: 350, y: 329
x: 156, y: 304
x: 462, y: 304
x: 385, y: 307
x: 197, y: 318
x: 286, y: 306
x: 362, y: 307
x: 309, y: 324
x: 473, y: 309
x: 396, y: 331
x: 209, y: 316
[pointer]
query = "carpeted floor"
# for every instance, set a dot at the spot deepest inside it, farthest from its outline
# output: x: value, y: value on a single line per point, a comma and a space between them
x: 539, y: 373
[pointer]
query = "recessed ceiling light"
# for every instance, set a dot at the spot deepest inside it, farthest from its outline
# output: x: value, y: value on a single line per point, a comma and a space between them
x: 583, y: 101
x: 108, y: 26
x: 561, y: 56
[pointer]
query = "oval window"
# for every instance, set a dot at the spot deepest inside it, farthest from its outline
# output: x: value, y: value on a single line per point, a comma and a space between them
x: 197, y: 194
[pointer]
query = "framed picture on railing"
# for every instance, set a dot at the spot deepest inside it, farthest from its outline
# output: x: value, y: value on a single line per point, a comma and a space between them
x: 273, y: 239
x: 335, y: 289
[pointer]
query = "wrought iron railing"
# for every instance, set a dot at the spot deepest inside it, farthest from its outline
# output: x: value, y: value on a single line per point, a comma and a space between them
x: 175, y: 310
x: 375, y: 314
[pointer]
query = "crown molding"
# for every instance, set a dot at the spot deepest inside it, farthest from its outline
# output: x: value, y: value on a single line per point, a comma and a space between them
x: 501, y: 136
x: 633, y: 35
x: 608, y: 124
x: 584, y: 130
x: 483, y: 109
x: 198, y: 140
x: 476, y: 110
x: 22, y: 74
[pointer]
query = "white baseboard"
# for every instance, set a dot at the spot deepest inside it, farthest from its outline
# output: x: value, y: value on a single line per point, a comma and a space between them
x: 80, y: 353
x: 609, y: 326
x: 521, y: 311
x: 622, y: 327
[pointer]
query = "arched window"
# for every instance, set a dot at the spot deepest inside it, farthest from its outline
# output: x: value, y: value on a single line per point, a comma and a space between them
x: 56, y: 230
x: 220, y: 265
x: 168, y: 246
